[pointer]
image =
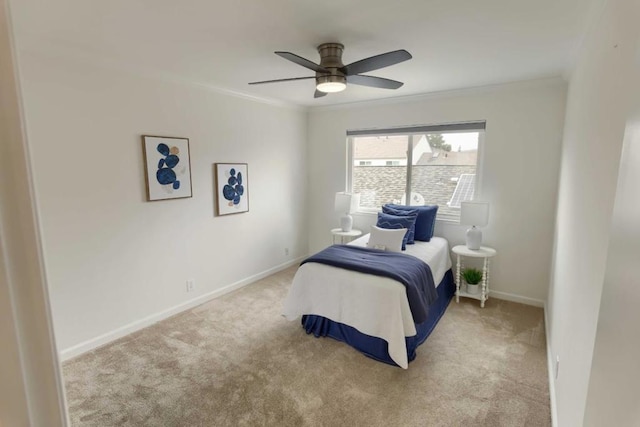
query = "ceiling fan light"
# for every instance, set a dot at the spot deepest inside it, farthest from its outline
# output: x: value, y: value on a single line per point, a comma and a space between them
x: 330, y: 87
x: 331, y: 84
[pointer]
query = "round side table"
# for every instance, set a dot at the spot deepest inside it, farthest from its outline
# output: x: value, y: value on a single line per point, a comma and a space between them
x: 484, y: 252
x: 345, y: 236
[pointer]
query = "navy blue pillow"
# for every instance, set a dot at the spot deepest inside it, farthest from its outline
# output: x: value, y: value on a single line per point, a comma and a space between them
x: 401, y: 212
x: 395, y: 222
x: 426, y: 221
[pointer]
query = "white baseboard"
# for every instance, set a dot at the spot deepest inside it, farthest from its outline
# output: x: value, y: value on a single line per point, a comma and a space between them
x: 103, y: 339
x: 516, y: 298
x: 551, y: 368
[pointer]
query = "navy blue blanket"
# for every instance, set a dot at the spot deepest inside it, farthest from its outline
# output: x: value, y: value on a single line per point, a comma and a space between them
x: 412, y: 272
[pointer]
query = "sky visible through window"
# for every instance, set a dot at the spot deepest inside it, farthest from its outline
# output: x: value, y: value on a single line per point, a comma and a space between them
x: 465, y: 141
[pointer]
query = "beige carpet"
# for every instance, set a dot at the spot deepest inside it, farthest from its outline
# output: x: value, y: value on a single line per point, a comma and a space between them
x: 236, y: 362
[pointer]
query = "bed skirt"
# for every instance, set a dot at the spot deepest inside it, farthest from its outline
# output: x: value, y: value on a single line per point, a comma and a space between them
x: 375, y: 347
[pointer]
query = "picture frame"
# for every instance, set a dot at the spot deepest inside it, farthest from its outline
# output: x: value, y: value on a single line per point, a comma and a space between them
x: 167, y: 167
x: 231, y: 188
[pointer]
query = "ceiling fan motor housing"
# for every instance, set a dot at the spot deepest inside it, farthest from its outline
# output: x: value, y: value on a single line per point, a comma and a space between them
x: 331, y: 59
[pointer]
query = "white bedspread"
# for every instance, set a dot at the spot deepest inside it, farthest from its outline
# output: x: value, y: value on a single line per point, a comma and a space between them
x: 374, y: 305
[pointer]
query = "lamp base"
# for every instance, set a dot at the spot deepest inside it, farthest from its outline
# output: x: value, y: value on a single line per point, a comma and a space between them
x: 474, y: 238
x: 346, y: 222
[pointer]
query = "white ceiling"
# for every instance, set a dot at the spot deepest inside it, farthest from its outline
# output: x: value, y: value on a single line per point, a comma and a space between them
x: 454, y: 43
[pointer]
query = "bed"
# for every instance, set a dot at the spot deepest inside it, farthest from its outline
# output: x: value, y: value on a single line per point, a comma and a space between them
x: 370, y: 313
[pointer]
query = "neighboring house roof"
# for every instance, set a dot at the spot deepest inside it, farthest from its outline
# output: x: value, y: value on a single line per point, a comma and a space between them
x: 457, y: 158
x: 383, y: 147
x: 386, y: 184
x: 388, y: 147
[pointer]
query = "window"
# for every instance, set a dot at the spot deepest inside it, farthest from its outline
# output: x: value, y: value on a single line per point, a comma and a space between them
x: 416, y: 166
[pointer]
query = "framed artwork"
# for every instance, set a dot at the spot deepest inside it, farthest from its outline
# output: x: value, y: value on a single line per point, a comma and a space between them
x: 167, y: 167
x: 232, y: 188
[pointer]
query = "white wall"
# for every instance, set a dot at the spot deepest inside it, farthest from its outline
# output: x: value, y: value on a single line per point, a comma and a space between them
x: 597, y: 109
x: 614, y: 386
x: 519, y: 169
x: 112, y: 257
x: 30, y: 383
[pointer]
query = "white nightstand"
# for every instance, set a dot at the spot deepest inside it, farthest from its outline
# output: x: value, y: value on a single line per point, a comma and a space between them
x: 345, y: 236
x: 484, y: 252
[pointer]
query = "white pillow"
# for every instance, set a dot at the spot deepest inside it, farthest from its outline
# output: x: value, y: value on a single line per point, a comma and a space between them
x: 386, y: 239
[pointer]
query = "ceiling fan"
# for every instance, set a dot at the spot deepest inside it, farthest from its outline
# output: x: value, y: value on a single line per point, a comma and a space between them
x: 332, y: 75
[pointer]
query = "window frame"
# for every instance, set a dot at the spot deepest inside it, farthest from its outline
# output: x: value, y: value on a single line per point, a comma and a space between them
x: 465, y: 127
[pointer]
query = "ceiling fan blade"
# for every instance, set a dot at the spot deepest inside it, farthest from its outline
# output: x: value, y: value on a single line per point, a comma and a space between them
x: 281, y: 80
x: 302, y: 61
x: 374, y: 82
x: 376, y: 62
x: 318, y: 94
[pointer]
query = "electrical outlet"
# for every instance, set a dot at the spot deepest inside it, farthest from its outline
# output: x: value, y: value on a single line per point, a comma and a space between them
x: 286, y: 251
x: 557, y: 366
x: 191, y: 284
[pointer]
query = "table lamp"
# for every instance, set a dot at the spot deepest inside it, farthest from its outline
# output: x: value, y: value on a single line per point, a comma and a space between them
x: 475, y: 214
x: 345, y: 204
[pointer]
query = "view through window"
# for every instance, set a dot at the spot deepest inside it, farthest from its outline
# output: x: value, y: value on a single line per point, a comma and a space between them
x: 423, y: 168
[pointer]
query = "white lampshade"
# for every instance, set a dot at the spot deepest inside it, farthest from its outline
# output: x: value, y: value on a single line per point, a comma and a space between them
x: 347, y: 202
x: 474, y: 213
